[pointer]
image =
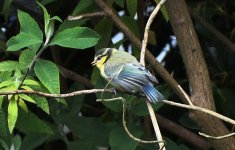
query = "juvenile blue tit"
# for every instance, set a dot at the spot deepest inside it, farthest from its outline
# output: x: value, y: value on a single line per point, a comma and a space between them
x: 124, y: 72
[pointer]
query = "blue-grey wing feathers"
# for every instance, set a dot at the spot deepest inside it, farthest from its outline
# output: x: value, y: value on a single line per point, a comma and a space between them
x: 135, y: 78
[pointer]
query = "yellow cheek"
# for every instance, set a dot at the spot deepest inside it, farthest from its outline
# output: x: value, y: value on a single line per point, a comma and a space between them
x: 100, y: 63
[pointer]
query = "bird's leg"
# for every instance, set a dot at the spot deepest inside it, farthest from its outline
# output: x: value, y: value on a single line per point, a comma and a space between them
x: 106, y: 88
x: 111, y: 79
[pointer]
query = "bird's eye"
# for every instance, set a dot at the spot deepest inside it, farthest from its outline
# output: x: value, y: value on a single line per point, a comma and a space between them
x: 99, y: 58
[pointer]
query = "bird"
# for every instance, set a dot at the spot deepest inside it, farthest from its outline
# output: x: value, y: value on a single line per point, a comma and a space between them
x: 125, y: 73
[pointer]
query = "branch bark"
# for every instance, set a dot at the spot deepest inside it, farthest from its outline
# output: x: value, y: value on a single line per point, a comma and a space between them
x: 201, y: 92
x: 183, y: 133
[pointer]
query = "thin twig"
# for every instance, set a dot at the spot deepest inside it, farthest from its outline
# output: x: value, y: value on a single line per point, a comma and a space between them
x: 146, y: 31
x: 142, y: 61
x: 124, y: 121
x: 155, y: 125
x: 210, y: 112
x: 30, y: 67
x: 186, y: 96
x: 217, y: 137
x: 207, y: 111
x: 95, y: 14
x: 57, y: 95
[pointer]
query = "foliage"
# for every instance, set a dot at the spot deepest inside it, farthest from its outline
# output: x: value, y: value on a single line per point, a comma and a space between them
x: 34, y: 46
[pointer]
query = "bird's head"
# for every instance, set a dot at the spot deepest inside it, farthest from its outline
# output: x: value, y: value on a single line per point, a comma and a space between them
x: 102, y: 56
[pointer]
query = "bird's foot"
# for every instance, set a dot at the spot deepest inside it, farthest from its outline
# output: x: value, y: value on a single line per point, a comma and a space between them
x: 114, y: 92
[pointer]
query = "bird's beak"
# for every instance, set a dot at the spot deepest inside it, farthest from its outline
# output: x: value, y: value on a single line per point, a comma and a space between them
x: 93, y: 63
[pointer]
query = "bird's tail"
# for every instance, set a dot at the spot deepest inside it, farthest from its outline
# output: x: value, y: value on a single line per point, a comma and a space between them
x: 152, y: 94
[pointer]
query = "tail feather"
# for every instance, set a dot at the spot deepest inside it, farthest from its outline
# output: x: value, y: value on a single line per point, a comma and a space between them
x: 152, y: 94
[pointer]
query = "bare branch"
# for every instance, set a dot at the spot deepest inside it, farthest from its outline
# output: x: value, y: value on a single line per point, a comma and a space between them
x: 204, y: 110
x: 217, y: 137
x: 95, y: 14
x: 207, y: 111
x: 146, y: 31
x: 57, y: 95
x: 142, y: 61
x: 124, y: 120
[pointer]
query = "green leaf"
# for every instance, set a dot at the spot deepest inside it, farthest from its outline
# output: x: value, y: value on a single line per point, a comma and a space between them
x: 139, y: 107
x: 83, y: 144
x: 12, y: 114
x: 5, y: 75
x: 3, y: 125
x: 30, y: 26
x: 92, y: 129
x: 22, y: 104
x: 121, y: 3
x: 48, y: 23
x: 119, y: 140
x: 32, y: 141
x: 6, y: 83
x: 77, y: 37
x: 22, y: 40
x: 17, y: 78
x: 131, y: 6
x: 46, y: 17
x: 16, y: 142
x: 1, y: 100
x: 3, y: 46
x: 48, y: 73
x: 32, y: 84
x: 44, y: 2
x: 29, y: 123
x: 67, y: 24
x: 27, y: 98
x: 30, y: 34
x: 83, y: 6
x: 75, y: 102
x: 26, y: 57
x: 42, y: 103
x: 8, y: 65
x: 163, y: 10
x: 6, y: 8
x: 131, y: 24
x: 107, y: 26
x: 4, y: 145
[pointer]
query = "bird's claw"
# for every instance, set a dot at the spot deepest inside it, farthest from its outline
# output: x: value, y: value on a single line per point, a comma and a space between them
x: 114, y: 92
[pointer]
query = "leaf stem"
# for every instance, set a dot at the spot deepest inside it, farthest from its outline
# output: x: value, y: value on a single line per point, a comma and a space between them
x: 32, y: 64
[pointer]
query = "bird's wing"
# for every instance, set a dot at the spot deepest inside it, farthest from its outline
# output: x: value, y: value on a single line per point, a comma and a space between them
x: 133, y: 77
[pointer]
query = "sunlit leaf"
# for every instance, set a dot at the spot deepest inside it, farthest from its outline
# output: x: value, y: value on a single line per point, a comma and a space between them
x: 8, y: 65
x: 27, y: 98
x: 22, y: 40
x: 30, y: 34
x: 12, y: 114
x: 26, y: 57
x: 78, y: 37
x: 23, y: 105
x: 48, y: 73
x: 6, y: 83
